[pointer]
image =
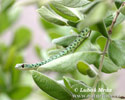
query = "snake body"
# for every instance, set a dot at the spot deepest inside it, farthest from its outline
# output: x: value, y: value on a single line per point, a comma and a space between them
x: 82, y: 36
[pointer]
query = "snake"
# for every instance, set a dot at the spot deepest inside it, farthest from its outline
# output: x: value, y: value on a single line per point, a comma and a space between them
x: 71, y: 47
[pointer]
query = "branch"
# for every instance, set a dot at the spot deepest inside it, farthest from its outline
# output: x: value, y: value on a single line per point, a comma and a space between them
x: 105, y: 49
x: 104, y: 52
x: 109, y: 32
x: 114, y: 20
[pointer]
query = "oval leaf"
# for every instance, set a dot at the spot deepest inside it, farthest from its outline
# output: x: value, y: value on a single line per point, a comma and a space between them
x: 82, y: 67
x: 89, y: 6
x: 65, y: 64
x: 54, y: 52
x: 94, y: 35
x: 122, y: 10
x: 101, y: 41
x: 5, y: 22
x: 6, y: 4
x: 51, y: 87
x: 10, y: 58
x: 65, y: 12
x: 2, y: 81
x: 118, y: 3
x: 102, y: 29
x: 108, y: 20
x: 51, y: 17
x: 22, y: 38
x: 85, y: 69
x: 116, y: 52
x: 74, y: 3
x: 64, y: 41
x: 91, y: 73
x: 108, y: 65
x: 120, y: 19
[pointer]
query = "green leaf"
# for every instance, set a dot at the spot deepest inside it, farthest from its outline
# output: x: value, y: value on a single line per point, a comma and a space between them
x: 10, y: 58
x: 54, y: 52
x: 108, y: 20
x: 93, y: 17
x: 8, y: 18
x: 101, y: 92
x: 120, y: 19
x: 67, y: 84
x: 54, y: 33
x: 58, y: 32
x: 65, y: 64
x: 64, y: 41
x: 82, y: 67
x: 38, y: 51
x: 3, y: 51
x: 116, y: 52
x: 51, y: 17
x: 65, y: 12
x: 86, y: 46
x: 6, y: 4
x: 73, y: 24
x: 89, y: 6
x: 51, y: 87
x: 22, y: 38
x: 2, y: 81
x: 108, y: 65
x: 20, y: 92
x: 47, y: 25
x: 74, y: 3
x: 101, y: 41
x: 15, y: 74
x: 75, y: 86
x: 85, y: 69
x: 102, y: 29
x: 70, y: 81
x: 5, y: 22
x: 117, y: 32
x: 44, y: 54
x: 14, y: 13
x: 122, y: 10
x: 118, y: 3
x: 91, y: 73
x: 93, y: 37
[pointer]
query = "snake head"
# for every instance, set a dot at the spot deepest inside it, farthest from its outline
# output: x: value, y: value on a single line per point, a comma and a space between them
x: 23, y: 67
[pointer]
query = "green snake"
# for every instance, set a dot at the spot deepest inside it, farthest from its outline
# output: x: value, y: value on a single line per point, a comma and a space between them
x: 81, y: 37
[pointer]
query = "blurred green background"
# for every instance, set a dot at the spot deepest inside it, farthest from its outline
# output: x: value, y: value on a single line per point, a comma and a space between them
x: 24, y: 37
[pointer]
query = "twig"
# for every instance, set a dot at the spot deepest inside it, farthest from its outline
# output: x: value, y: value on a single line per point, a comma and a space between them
x: 114, y: 20
x: 103, y: 55
x: 120, y: 97
x: 101, y: 65
x: 106, y: 47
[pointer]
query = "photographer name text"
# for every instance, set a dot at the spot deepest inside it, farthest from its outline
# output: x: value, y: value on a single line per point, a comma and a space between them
x: 92, y: 90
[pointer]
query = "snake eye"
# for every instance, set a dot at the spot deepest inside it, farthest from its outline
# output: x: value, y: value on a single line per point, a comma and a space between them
x: 23, y: 66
